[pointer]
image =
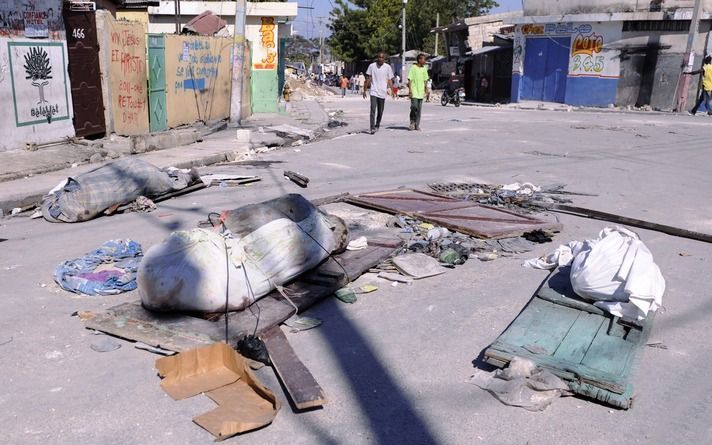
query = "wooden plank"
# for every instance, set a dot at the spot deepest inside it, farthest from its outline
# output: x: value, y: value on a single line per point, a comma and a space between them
x: 541, y: 326
x: 300, y: 384
x: 609, y: 353
x: 577, y: 341
x: 180, y: 332
x: 176, y: 333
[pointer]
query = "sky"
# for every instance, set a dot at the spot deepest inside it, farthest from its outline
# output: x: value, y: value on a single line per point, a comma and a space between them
x: 310, y: 21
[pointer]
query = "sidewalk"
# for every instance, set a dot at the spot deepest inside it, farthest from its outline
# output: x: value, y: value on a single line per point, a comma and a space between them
x: 28, y: 175
x: 555, y: 106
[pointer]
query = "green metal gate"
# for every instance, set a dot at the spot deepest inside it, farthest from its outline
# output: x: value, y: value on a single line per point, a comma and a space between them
x: 157, y: 116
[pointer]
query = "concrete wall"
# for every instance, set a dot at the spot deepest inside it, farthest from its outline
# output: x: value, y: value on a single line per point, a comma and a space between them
x: 262, y: 32
x: 198, y: 79
x: 122, y: 55
x: 37, y: 109
x: 650, y: 66
x: 559, y: 7
x: 482, y: 32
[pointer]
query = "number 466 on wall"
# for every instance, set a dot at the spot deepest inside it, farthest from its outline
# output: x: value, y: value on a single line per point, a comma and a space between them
x: 78, y: 33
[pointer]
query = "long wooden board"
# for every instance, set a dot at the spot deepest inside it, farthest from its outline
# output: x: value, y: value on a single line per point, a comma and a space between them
x: 592, y: 350
x: 301, y: 385
x: 178, y: 332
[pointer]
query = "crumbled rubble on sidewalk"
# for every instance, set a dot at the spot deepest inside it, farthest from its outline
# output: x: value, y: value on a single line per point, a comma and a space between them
x: 111, y: 269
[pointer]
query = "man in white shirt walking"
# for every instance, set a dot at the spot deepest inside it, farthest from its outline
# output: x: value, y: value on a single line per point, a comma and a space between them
x: 378, y: 80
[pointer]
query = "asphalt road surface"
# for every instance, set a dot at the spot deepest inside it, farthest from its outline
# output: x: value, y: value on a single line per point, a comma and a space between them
x: 394, y: 365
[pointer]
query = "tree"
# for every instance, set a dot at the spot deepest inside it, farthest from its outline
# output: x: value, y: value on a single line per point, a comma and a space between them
x: 38, y: 69
x: 359, y: 32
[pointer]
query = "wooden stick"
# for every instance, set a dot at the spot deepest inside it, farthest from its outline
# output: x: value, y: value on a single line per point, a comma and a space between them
x: 596, y: 214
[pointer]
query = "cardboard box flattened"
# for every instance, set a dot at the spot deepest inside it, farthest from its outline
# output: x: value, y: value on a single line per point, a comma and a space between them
x: 240, y: 409
x: 244, y: 404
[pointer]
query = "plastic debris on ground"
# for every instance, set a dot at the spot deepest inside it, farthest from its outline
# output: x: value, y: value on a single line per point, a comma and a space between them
x: 359, y: 243
x: 346, y: 295
x: 111, y: 269
x: 298, y: 323
x: 522, y: 384
x: 616, y: 271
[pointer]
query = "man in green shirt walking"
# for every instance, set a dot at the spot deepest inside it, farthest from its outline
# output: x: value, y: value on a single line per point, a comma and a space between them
x: 417, y: 88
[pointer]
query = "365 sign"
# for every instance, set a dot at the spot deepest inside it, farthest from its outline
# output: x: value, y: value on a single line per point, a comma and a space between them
x: 39, y: 82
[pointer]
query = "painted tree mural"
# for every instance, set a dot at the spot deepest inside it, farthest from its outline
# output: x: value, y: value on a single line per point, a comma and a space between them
x: 38, y: 68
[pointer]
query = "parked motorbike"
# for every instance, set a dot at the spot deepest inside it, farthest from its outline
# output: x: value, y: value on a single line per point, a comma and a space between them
x: 455, y: 97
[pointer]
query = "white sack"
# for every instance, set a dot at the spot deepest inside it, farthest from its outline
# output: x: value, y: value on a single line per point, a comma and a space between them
x: 189, y: 271
x: 616, y: 271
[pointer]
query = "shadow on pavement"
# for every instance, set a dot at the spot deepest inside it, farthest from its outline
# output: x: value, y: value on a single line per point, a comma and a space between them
x: 389, y: 411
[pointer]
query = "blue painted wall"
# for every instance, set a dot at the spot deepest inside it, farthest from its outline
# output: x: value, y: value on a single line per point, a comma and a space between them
x: 516, y: 80
x: 591, y: 91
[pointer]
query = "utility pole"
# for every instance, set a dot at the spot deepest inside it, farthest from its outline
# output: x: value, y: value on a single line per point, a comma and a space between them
x: 321, y: 43
x: 238, y: 62
x: 176, y: 12
x: 403, y: 73
x: 437, y: 33
x: 683, y: 82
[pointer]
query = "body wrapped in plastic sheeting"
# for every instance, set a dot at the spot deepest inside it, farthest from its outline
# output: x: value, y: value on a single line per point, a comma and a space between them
x: 120, y: 182
x: 265, y: 245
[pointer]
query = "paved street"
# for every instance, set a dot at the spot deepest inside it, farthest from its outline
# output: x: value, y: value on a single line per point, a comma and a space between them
x: 394, y: 365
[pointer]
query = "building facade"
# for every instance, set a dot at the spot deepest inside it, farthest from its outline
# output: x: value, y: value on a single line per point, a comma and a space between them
x: 622, y: 52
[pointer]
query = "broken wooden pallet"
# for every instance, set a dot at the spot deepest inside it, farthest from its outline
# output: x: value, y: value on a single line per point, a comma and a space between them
x: 461, y: 216
x: 179, y: 332
x: 591, y: 349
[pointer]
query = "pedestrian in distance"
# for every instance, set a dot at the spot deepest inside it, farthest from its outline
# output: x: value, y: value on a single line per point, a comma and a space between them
x: 378, y: 81
x: 706, y: 94
x: 344, y: 84
x: 428, y: 90
x: 352, y: 82
x: 396, y: 85
x: 417, y: 87
x: 361, y: 82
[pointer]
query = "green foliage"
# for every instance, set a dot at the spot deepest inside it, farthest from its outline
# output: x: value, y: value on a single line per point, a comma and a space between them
x: 359, y: 32
x: 300, y: 49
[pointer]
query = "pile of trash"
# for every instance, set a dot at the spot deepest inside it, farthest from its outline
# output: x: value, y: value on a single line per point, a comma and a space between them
x: 509, y: 195
x: 454, y: 248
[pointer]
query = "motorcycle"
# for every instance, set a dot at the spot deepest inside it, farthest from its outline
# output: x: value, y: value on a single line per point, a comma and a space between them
x: 455, y: 97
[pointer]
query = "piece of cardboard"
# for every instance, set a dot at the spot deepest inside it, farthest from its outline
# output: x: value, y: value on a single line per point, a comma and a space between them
x: 244, y: 404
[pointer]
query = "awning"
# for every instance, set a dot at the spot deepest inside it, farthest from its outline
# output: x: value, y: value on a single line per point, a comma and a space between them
x: 487, y: 49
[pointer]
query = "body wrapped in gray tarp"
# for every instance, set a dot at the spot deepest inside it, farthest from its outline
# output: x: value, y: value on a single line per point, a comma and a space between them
x: 120, y: 182
x: 263, y: 246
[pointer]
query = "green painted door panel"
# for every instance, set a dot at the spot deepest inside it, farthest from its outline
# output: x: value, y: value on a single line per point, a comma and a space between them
x: 157, y: 114
x: 590, y: 349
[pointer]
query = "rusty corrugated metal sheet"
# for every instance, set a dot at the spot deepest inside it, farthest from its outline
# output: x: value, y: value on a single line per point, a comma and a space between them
x: 462, y: 216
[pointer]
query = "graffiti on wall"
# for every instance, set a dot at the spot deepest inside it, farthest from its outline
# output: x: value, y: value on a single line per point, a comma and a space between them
x: 197, y: 66
x: 39, y: 82
x: 31, y: 18
x: 266, y: 49
x: 586, y: 53
x: 128, y: 78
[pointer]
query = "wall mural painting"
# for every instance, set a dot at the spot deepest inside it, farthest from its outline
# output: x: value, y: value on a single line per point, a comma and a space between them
x: 267, y: 48
x: 39, y: 82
